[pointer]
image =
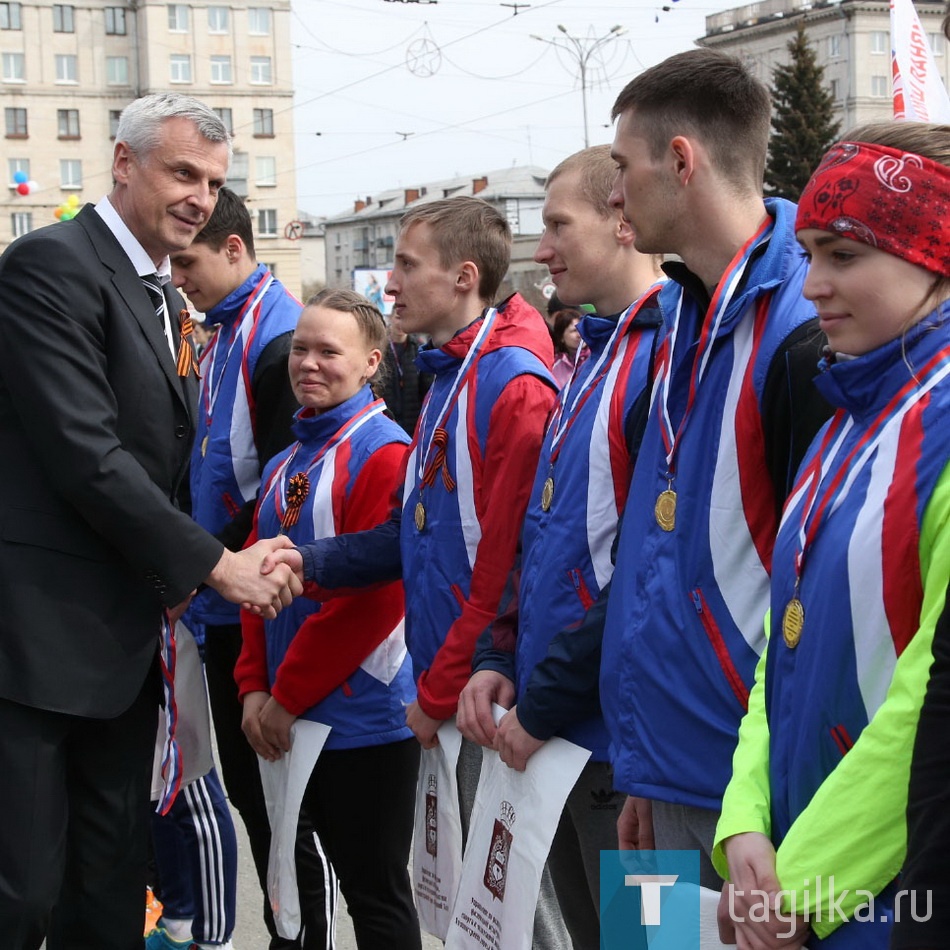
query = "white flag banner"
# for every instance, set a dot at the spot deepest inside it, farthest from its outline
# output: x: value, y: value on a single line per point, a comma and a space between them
x: 284, y: 783
x: 437, y: 839
x: 513, y: 823
x: 919, y: 92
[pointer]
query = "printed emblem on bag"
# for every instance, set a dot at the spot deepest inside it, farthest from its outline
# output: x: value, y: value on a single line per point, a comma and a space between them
x: 432, y: 814
x: 496, y: 870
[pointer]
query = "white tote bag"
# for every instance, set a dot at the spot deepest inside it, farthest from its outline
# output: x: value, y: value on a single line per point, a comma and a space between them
x: 284, y: 783
x: 437, y: 838
x: 193, y: 731
x: 513, y: 823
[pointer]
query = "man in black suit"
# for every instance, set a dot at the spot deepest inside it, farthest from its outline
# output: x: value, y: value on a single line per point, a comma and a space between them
x: 97, y: 414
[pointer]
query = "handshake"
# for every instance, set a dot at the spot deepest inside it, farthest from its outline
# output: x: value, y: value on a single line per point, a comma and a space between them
x: 263, y: 578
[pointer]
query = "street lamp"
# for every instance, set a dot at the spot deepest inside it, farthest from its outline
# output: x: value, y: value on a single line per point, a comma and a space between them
x: 582, y: 49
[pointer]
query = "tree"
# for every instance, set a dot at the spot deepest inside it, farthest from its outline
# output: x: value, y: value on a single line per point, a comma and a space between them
x: 803, y: 125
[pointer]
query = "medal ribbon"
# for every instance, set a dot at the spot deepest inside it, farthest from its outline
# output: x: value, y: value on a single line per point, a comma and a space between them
x: 396, y: 362
x: 171, y: 766
x: 426, y: 470
x: 561, y: 423
x: 715, y: 313
x: 248, y: 317
x: 815, y: 507
x: 346, y: 431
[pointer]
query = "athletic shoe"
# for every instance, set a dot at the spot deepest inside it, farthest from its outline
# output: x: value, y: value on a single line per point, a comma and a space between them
x: 158, y: 939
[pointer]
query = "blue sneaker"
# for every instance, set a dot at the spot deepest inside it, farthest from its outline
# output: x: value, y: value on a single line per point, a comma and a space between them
x: 158, y: 939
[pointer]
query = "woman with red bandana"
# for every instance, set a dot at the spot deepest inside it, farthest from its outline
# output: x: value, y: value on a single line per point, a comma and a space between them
x: 812, y: 835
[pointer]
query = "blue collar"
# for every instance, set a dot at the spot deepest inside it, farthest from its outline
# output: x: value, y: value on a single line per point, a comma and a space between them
x: 313, y: 430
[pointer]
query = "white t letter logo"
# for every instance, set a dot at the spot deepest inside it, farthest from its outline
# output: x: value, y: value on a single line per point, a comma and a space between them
x: 650, y: 885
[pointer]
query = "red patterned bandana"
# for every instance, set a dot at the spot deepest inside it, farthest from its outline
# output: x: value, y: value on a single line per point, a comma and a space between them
x: 893, y: 200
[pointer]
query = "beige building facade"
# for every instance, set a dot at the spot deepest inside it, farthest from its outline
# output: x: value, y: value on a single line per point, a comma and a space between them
x: 67, y: 71
x: 851, y: 39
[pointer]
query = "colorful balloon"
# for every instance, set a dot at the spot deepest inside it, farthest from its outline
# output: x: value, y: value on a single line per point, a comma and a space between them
x: 23, y: 188
x: 19, y: 178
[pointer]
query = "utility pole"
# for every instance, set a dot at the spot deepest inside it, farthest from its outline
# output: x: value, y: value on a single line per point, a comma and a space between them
x: 582, y: 49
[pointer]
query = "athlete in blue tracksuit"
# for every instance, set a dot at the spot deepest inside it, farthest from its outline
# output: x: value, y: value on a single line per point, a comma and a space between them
x: 684, y: 618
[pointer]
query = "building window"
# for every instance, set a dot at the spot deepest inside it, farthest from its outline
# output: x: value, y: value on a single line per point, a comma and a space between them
x: 180, y: 68
x: 16, y: 123
x: 227, y: 117
x: 67, y: 67
x: 836, y: 90
x: 221, y: 69
x: 218, y: 19
x: 177, y: 18
x: 258, y: 21
x: 834, y: 45
x: 266, y: 167
x: 21, y: 222
x: 63, y: 19
x: 67, y: 122
x: 880, y: 42
x: 261, y: 70
x: 10, y: 16
x: 937, y: 43
x: 70, y: 173
x: 264, y: 123
x: 117, y: 70
x: 115, y: 21
x: 114, y: 116
x: 18, y: 166
x: 880, y: 88
x: 267, y: 222
x: 14, y: 67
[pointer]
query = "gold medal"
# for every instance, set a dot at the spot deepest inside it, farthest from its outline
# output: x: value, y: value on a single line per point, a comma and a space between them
x: 792, y: 622
x: 204, y: 446
x: 547, y: 494
x: 665, y: 510
x: 420, y: 516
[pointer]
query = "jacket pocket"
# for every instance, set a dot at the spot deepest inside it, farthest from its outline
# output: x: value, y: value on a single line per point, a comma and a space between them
x: 54, y: 531
x: 720, y: 648
x: 841, y: 738
x: 580, y: 587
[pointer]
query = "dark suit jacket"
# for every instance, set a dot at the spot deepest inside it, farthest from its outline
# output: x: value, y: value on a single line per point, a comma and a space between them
x: 95, y: 434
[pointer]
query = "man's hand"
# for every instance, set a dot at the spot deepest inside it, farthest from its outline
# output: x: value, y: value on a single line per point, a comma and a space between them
x: 285, y: 555
x: 251, y: 724
x: 514, y: 743
x: 237, y: 577
x: 754, y: 884
x: 423, y: 726
x: 474, y: 717
x: 275, y: 724
x: 635, y: 825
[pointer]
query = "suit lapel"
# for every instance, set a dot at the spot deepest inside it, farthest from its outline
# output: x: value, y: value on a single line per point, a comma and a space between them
x: 130, y: 287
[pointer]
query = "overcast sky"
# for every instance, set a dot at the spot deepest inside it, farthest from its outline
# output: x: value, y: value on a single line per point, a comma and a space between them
x: 397, y: 94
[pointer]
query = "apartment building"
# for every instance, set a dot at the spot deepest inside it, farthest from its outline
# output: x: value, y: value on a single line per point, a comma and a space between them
x: 851, y: 38
x: 365, y: 238
x: 67, y: 71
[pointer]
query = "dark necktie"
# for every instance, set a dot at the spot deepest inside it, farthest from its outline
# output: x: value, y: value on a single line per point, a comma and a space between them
x: 154, y: 287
